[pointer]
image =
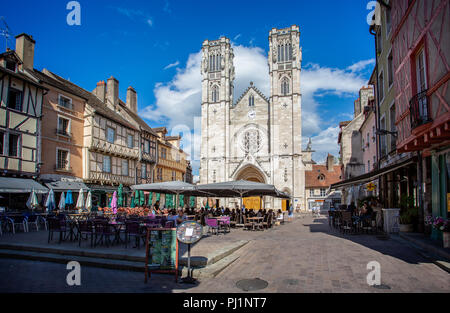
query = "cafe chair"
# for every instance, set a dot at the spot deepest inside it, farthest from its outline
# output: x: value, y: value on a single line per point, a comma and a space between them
x: 33, y: 220
x: 213, y: 225
x: 132, y: 230
x: 103, y: 230
x: 56, y: 225
x: 347, y: 222
x: 267, y: 221
x: 247, y: 224
x: 19, y: 221
x: 226, y: 223
x: 85, y: 229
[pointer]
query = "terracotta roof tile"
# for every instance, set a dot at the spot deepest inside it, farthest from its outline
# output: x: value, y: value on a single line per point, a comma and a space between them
x: 312, y: 177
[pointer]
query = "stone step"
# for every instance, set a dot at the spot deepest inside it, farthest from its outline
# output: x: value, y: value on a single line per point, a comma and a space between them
x: 196, y: 261
x: 209, y: 271
x: 64, y: 259
x: 72, y: 252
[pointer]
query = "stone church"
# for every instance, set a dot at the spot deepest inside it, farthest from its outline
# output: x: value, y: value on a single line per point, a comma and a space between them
x: 257, y: 137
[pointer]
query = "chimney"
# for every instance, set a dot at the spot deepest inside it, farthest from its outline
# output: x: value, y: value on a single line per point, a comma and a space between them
x: 112, y: 92
x: 330, y: 163
x: 100, y: 90
x: 25, y: 50
x: 132, y: 99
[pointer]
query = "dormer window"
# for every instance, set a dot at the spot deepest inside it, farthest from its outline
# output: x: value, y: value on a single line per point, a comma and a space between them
x: 10, y: 65
x: 321, y: 177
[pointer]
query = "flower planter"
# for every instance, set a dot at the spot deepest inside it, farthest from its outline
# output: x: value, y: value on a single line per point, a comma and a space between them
x: 406, y: 228
x: 446, y: 239
x: 436, y: 234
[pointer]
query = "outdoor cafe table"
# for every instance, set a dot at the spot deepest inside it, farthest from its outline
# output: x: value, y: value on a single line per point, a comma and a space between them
x: 254, y: 220
x: 117, y: 228
x: 190, y: 217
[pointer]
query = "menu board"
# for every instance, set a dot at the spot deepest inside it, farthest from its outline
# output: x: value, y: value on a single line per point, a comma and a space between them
x: 162, y: 249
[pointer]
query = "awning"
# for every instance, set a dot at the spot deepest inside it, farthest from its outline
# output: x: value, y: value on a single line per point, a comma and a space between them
x: 20, y: 185
x: 365, y: 178
x: 108, y: 189
x: 66, y: 185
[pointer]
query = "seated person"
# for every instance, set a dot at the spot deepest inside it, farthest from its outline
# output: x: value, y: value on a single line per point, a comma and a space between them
x: 280, y: 216
x: 180, y: 218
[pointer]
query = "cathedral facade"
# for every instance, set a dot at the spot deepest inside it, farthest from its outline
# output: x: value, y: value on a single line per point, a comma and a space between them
x: 256, y: 137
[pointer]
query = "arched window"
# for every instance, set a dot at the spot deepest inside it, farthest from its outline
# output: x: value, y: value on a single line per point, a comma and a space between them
x: 215, y: 94
x: 285, y: 86
x: 284, y: 52
x: 251, y: 101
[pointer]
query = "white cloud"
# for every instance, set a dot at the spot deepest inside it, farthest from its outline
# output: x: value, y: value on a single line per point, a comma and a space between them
x: 361, y: 65
x: 179, y: 100
x: 323, y: 143
x: 134, y: 14
x: 237, y: 37
x: 172, y: 65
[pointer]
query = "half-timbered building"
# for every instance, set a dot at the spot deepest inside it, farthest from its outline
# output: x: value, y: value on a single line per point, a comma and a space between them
x: 21, y: 97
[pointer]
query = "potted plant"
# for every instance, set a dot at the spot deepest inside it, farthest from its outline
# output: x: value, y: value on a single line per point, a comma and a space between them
x: 441, y: 230
x: 408, y: 214
x: 406, y: 220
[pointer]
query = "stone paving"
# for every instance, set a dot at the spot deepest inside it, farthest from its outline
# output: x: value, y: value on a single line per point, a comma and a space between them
x: 301, y: 256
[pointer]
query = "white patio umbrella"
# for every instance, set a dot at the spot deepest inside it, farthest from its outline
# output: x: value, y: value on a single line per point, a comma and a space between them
x: 62, y: 202
x: 32, y: 202
x: 89, y: 201
x: 80, y: 201
x: 50, y: 202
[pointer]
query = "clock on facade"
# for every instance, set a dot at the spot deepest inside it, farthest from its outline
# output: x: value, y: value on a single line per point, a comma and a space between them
x: 252, y: 114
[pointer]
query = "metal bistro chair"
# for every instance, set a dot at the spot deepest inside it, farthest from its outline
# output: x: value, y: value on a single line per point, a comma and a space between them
x: 133, y: 229
x: 268, y: 221
x: 247, y: 224
x: 212, y: 224
x: 85, y: 228
x: 19, y: 221
x: 103, y: 230
x: 347, y: 222
x: 33, y: 220
x: 56, y: 225
x: 225, y: 222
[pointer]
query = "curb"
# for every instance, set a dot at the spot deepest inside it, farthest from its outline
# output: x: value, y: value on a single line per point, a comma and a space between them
x: 425, y: 251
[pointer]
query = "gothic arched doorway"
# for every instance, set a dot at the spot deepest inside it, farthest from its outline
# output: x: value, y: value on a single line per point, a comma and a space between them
x: 251, y: 173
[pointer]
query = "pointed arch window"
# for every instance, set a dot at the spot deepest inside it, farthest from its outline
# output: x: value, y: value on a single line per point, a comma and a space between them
x: 251, y: 101
x: 215, y: 94
x: 214, y: 62
x: 285, y: 86
x: 284, y: 52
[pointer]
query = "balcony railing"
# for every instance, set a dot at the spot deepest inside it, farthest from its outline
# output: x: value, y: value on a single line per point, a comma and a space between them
x: 419, y: 110
x: 61, y: 168
x: 63, y: 132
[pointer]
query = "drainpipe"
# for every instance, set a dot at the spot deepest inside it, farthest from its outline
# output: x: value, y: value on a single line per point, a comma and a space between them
x: 377, y: 109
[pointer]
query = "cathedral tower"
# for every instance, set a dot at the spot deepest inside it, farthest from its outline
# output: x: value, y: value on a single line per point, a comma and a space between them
x: 285, y: 58
x: 217, y: 98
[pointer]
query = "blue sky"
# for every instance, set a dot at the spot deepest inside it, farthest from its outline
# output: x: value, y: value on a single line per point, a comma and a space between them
x: 154, y: 47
